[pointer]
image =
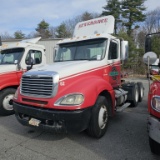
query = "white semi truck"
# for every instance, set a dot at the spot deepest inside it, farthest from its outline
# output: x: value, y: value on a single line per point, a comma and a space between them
x: 83, y: 87
x: 15, y: 57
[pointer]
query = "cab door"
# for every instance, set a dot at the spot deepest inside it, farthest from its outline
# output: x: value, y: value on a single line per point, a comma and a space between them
x: 114, y: 69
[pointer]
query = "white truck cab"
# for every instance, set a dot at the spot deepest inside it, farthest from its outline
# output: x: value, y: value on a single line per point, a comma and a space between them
x: 15, y: 59
x: 83, y: 87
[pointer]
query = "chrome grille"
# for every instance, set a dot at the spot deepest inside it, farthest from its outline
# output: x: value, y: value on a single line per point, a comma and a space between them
x: 38, y: 86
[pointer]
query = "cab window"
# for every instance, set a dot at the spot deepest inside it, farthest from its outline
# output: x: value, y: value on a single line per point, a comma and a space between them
x: 113, y: 51
x: 37, y: 56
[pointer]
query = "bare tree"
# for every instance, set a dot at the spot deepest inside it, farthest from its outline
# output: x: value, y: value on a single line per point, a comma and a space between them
x: 141, y: 38
x: 52, y: 31
x: 6, y: 36
x: 71, y: 23
x: 86, y: 16
x: 152, y: 22
x: 32, y: 34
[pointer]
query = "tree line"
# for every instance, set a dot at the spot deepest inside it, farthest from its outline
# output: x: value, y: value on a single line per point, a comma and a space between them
x: 132, y: 22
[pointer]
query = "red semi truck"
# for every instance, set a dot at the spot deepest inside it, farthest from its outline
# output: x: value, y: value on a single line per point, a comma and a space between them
x: 14, y: 60
x: 83, y: 87
x: 154, y: 92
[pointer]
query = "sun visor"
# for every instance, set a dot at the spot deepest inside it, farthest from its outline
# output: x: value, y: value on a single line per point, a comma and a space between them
x: 99, y: 25
x: 33, y: 40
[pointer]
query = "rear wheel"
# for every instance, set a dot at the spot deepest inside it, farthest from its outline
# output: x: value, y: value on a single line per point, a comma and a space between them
x: 155, y: 147
x: 6, y: 101
x: 99, y: 118
x: 141, y: 91
x: 135, y: 95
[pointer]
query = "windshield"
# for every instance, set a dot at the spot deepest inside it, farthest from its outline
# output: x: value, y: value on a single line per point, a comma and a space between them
x: 11, y: 56
x: 83, y: 50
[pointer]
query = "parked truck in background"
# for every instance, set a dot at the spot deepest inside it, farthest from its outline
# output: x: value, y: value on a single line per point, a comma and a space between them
x: 83, y: 87
x: 15, y: 57
x: 153, y: 69
x: 150, y: 58
x: 49, y: 43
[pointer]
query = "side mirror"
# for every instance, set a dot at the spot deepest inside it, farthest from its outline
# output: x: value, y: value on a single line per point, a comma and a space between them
x: 32, y: 59
x: 31, y: 62
x: 149, y: 58
x: 148, y: 42
x: 124, y: 50
x: 55, y: 53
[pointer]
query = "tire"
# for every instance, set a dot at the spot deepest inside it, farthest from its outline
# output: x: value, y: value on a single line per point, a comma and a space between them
x: 6, y: 96
x: 135, y: 95
x: 99, y: 118
x: 154, y: 146
x: 140, y: 90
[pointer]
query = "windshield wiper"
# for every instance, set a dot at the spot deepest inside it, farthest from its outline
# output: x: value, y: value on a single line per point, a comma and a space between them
x: 92, y: 59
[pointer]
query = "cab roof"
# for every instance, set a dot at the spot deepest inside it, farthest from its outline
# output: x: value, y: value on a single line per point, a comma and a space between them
x: 23, y: 44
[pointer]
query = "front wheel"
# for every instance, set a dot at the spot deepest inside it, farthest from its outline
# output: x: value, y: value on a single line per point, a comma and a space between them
x: 6, y: 101
x: 155, y: 147
x: 99, y: 118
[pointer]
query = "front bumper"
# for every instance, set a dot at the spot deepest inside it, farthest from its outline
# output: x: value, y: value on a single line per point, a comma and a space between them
x: 154, y: 128
x: 54, y: 120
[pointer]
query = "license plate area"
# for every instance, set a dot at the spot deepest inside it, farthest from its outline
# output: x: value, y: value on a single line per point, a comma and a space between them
x: 34, y: 122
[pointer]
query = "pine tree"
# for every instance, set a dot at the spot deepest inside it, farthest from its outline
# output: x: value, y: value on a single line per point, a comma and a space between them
x: 19, y: 35
x: 43, y: 29
x: 113, y: 8
x: 86, y: 16
x: 132, y: 13
x: 62, y: 32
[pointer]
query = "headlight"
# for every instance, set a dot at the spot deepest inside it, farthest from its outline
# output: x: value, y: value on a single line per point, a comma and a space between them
x: 155, y: 103
x: 70, y: 99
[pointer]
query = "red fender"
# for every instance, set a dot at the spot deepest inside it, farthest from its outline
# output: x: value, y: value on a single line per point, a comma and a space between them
x: 10, y: 79
x: 89, y: 86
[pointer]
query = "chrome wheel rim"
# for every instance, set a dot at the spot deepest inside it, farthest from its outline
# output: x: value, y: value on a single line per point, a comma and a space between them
x: 136, y: 95
x: 103, y: 117
x: 142, y: 92
x: 7, y: 102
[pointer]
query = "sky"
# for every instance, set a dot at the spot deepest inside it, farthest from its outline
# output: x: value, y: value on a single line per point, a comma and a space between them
x: 25, y: 15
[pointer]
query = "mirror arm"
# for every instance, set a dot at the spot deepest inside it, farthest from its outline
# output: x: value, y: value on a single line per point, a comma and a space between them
x: 149, y: 81
x: 30, y: 67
